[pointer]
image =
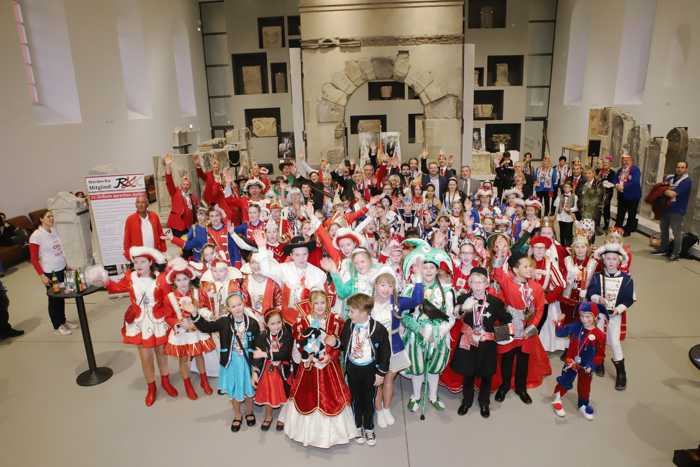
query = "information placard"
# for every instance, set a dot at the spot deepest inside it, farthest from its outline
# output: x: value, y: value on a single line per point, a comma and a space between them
x: 112, y: 199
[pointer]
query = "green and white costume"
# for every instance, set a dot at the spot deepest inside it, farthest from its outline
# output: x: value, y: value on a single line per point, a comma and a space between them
x: 429, y: 356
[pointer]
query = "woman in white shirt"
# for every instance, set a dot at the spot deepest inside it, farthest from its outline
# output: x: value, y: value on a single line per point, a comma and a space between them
x: 46, y: 254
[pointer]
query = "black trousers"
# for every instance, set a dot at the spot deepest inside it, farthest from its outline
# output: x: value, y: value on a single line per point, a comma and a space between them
x: 521, y: 365
x: 484, y: 389
x: 4, y: 311
x: 627, y: 209
x: 566, y: 233
x: 57, y: 306
x: 363, y: 391
x: 607, y: 200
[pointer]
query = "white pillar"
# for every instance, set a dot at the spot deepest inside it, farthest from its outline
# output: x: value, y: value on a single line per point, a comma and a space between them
x: 297, y: 100
x: 467, y: 104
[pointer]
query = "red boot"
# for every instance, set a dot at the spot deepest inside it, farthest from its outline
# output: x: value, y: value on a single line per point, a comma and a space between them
x: 151, y: 394
x: 204, y: 383
x: 165, y: 382
x: 190, y: 390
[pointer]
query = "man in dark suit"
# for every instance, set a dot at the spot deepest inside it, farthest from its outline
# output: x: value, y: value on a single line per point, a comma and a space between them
x: 445, y: 166
x: 432, y: 176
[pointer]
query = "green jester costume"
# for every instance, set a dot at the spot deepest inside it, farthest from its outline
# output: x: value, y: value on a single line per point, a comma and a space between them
x: 427, y: 327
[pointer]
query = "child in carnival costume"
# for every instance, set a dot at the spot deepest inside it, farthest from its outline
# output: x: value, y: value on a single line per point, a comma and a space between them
x: 427, y: 328
x: 613, y: 290
x: 362, y: 270
x: 586, y: 352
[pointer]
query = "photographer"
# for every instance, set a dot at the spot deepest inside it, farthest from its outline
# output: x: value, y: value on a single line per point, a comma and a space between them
x: 504, y: 174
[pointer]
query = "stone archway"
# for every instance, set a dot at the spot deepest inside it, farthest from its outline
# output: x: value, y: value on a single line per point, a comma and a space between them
x: 442, y: 111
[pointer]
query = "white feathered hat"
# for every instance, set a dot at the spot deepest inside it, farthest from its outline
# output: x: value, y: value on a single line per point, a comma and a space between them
x: 147, y: 252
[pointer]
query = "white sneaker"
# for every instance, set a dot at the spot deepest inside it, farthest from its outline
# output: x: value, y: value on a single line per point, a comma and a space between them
x: 361, y: 437
x: 381, y: 420
x: 389, y: 417
x: 71, y: 324
x: 63, y: 330
x: 558, y: 408
x: 371, y: 437
x: 586, y: 411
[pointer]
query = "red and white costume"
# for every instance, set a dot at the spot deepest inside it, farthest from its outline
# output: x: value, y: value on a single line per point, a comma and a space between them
x: 260, y: 296
x: 578, y: 273
x: 553, y: 283
x: 144, y: 321
x: 525, y: 303
x: 212, y: 302
x: 295, y: 281
x: 219, y: 238
x: 181, y: 342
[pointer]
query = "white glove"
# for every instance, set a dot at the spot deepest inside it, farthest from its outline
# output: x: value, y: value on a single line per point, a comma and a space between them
x: 619, y: 309
x: 444, y: 329
x: 596, y: 299
x: 530, y: 330
x: 96, y: 275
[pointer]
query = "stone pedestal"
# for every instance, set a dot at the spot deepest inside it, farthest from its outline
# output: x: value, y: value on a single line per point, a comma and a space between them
x: 72, y: 219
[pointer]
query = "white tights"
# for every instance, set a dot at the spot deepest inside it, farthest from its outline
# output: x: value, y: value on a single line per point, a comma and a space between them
x: 417, y: 382
x: 613, y: 335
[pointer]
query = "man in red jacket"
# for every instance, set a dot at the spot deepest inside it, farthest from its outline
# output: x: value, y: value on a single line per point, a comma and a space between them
x: 142, y: 228
x: 182, y: 201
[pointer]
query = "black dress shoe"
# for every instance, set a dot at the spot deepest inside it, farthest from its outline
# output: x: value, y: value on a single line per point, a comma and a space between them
x: 463, y: 408
x: 658, y: 252
x: 500, y: 395
x: 674, y: 258
x: 11, y: 333
x: 524, y: 396
x: 485, y: 411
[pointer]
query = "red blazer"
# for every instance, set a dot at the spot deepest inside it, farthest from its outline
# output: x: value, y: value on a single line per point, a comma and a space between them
x: 132, y: 233
x: 180, y: 217
x: 510, y: 295
x: 212, y: 190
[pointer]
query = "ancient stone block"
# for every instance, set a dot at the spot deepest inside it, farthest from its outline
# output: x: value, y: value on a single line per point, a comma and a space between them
x: 401, y: 65
x: 264, y: 127
x: 369, y: 126
x: 423, y: 98
x: 367, y: 68
x: 418, y: 80
x: 328, y: 112
x: 443, y: 134
x: 333, y: 94
x: 692, y: 218
x: 447, y: 106
x: 343, y: 83
x: 354, y: 72
x: 383, y: 67
x: 433, y: 91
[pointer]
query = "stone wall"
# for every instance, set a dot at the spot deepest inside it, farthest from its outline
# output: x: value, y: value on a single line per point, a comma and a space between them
x: 424, y: 49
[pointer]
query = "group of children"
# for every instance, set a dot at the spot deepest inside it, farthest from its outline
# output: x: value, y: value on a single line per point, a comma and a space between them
x: 317, y: 316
